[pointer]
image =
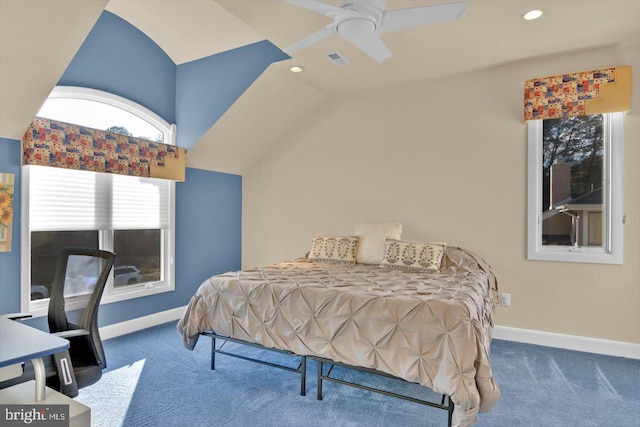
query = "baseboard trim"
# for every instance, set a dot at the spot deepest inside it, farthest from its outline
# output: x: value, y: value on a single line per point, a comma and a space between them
x: 507, y: 333
x: 133, y: 325
x: 569, y: 342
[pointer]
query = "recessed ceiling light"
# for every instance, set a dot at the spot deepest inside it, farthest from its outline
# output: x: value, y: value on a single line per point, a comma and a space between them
x: 532, y: 14
x: 296, y: 69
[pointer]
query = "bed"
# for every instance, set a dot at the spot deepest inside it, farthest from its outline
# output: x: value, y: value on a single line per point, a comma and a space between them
x: 427, y: 327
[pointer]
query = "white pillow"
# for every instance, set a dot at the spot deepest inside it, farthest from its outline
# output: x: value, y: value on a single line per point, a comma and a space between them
x: 372, y: 238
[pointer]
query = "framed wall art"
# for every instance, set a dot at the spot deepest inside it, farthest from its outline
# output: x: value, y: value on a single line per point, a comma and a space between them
x: 6, y: 210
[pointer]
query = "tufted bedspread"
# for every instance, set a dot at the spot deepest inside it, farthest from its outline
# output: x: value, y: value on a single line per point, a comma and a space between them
x: 429, y: 328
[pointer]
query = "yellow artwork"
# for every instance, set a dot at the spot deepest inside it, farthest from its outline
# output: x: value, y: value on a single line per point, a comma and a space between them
x: 6, y: 210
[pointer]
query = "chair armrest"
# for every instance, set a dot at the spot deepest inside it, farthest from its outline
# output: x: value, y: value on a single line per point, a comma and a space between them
x: 16, y: 316
x: 72, y: 333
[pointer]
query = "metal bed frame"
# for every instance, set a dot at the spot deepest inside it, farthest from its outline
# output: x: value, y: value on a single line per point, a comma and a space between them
x: 301, y: 369
x: 327, y: 377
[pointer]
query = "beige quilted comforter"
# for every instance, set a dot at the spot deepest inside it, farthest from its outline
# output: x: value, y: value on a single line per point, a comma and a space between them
x: 429, y: 328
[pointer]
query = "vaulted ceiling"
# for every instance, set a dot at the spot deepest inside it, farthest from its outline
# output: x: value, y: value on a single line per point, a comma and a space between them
x: 491, y: 33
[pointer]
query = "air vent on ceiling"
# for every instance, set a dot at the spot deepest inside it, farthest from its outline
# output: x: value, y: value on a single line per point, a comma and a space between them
x: 337, y: 58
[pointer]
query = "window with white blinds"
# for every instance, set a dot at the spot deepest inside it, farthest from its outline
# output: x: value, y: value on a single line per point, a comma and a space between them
x: 66, y: 199
x: 130, y: 216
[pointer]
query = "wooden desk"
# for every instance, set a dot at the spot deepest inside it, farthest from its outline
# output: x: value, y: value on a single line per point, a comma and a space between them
x: 21, y: 343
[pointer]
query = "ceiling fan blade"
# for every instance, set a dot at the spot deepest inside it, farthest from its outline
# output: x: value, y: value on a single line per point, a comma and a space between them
x: 316, y: 6
x: 393, y: 20
x: 313, y: 38
x: 371, y: 45
x: 378, y: 4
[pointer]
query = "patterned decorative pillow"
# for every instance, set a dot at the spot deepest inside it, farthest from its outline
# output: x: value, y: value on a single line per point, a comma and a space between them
x: 415, y: 256
x: 372, y: 240
x: 341, y: 249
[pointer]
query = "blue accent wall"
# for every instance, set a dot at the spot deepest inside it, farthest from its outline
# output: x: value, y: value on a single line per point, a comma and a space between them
x: 208, y: 241
x: 10, y: 158
x: 207, y: 87
x: 209, y: 209
x: 117, y: 57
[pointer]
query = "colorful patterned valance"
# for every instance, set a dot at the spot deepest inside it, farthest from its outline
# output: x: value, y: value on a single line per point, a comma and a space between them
x: 605, y: 90
x: 52, y: 143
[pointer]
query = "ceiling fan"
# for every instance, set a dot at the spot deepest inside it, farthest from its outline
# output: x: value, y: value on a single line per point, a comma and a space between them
x: 362, y: 21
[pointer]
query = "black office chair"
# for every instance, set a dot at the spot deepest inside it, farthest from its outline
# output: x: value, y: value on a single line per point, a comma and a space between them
x: 79, y: 272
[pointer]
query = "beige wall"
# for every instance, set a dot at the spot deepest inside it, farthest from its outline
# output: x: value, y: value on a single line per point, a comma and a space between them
x: 447, y: 158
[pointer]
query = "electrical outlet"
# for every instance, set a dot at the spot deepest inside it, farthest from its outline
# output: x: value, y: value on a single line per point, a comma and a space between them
x: 505, y: 299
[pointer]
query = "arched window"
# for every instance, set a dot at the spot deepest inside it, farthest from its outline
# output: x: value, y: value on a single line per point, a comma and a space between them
x: 129, y: 215
x: 106, y: 111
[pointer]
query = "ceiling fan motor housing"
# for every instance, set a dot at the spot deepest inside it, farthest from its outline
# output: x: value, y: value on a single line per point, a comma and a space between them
x: 356, y: 27
x: 366, y: 13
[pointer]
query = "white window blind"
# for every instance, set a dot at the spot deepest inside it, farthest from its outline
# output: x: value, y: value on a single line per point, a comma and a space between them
x: 139, y: 203
x: 65, y: 199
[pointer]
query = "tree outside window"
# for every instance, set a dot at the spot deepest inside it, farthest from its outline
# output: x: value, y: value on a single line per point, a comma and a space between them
x: 572, y: 196
x: 575, y: 201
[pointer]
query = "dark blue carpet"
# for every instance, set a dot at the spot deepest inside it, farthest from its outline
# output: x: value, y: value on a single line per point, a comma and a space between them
x: 152, y: 380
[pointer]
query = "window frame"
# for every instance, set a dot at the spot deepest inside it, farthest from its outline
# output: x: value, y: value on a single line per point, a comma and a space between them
x: 88, y: 94
x: 105, y: 237
x: 612, y: 250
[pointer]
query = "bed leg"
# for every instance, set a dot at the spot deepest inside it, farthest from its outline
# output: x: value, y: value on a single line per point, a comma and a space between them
x: 303, y: 376
x: 319, y: 393
x: 451, y: 406
x: 213, y: 353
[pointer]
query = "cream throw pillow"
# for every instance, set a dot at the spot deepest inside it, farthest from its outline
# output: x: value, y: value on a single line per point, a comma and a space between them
x: 341, y: 249
x: 372, y: 239
x: 414, y: 256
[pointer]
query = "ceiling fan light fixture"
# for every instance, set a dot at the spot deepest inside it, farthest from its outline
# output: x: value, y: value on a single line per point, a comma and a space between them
x: 532, y: 14
x: 296, y: 68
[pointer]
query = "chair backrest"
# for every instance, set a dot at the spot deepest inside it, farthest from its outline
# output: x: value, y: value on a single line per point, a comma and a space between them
x: 80, y: 271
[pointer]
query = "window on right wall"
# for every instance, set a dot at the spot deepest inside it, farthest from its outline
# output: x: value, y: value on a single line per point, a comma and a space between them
x: 575, y: 189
